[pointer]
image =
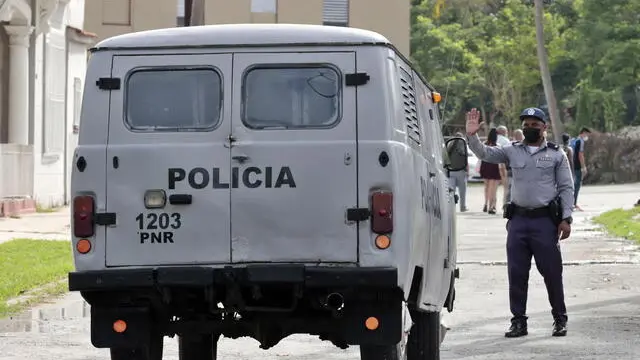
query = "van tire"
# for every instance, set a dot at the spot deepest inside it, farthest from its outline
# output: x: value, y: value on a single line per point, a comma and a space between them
x: 424, y: 338
x: 198, y: 347
x: 152, y: 351
x: 377, y: 352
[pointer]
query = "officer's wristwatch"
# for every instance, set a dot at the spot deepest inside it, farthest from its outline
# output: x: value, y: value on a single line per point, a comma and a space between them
x: 569, y: 220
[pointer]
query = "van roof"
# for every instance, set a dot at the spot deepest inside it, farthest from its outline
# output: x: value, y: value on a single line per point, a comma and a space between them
x: 243, y: 35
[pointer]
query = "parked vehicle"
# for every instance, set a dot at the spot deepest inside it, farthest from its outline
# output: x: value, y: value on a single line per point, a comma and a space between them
x: 262, y: 180
x: 474, y: 167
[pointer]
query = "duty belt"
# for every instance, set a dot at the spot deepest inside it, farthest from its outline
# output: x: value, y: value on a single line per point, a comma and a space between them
x: 532, y: 212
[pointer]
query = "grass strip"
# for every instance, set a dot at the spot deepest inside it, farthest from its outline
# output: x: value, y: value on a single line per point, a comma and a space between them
x: 621, y: 223
x: 30, y: 271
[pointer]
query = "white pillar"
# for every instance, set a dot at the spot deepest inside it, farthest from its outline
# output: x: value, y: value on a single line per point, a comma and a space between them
x: 19, y: 83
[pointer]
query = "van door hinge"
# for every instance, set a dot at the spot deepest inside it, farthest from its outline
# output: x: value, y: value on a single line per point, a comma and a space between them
x: 105, y: 218
x: 358, y: 214
x: 108, y: 83
x: 357, y: 79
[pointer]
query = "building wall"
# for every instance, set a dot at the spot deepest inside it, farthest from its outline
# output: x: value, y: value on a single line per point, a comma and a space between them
x: 389, y: 17
x: 290, y: 11
x: 108, y: 18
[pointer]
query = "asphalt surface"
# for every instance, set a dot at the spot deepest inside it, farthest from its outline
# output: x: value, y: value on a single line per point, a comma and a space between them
x: 602, y: 283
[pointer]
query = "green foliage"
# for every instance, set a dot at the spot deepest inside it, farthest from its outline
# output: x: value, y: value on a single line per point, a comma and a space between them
x: 482, y: 53
x: 621, y: 223
x: 27, y: 264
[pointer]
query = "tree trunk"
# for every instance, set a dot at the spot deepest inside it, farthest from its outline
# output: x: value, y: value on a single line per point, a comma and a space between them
x: 197, y: 12
x: 557, y: 126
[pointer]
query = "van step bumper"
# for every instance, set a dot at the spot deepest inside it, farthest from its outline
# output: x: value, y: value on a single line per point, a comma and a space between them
x: 199, y: 276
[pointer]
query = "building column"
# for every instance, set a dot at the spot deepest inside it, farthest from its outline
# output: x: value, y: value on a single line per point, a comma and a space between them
x: 19, y: 82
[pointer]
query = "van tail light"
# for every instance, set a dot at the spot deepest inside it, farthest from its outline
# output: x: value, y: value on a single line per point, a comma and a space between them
x: 83, y: 212
x: 382, y: 212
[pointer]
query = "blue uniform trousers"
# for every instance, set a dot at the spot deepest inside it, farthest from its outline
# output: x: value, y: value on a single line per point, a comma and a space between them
x: 538, y: 237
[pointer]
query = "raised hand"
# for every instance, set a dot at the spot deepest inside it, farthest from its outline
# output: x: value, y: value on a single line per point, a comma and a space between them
x: 473, y: 121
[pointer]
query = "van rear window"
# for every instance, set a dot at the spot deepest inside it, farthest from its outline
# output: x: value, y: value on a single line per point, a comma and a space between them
x: 291, y: 97
x: 173, y: 99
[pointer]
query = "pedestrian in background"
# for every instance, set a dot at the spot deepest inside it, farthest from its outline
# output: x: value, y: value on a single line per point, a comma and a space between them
x: 505, y: 169
x: 458, y: 179
x: 579, y: 163
x: 517, y: 135
x: 568, y: 150
x: 537, y: 221
x: 490, y: 174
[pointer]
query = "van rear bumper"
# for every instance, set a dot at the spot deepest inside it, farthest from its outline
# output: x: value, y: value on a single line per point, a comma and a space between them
x: 278, y: 300
x: 197, y: 276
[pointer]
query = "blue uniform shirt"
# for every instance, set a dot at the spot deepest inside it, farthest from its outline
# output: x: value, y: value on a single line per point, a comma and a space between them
x: 538, y: 177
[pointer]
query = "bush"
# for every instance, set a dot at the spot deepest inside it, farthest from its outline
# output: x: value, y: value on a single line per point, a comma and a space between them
x: 613, y: 158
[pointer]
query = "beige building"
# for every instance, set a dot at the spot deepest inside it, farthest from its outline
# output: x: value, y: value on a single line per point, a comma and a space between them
x: 390, y: 18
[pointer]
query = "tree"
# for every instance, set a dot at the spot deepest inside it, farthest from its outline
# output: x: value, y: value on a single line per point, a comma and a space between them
x: 556, y: 124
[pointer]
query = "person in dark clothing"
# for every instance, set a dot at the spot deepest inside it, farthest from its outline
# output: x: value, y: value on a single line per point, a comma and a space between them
x: 579, y: 163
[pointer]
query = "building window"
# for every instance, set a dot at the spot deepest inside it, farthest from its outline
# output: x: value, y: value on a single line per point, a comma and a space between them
x: 77, y: 103
x: 263, y: 6
x: 173, y: 99
x: 291, y: 97
x: 116, y: 12
x: 54, y: 94
x: 335, y: 13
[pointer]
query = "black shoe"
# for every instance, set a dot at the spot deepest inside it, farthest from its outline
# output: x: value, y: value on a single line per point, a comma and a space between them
x: 559, y: 328
x: 518, y: 328
x: 484, y: 209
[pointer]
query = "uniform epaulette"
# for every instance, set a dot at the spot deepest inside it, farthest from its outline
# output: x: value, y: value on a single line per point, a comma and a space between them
x: 515, y: 142
x: 553, y: 146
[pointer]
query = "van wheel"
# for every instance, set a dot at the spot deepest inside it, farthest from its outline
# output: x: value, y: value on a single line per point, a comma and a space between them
x: 377, y: 352
x: 152, y: 351
x: 424, y: 338
x: 198, y: 347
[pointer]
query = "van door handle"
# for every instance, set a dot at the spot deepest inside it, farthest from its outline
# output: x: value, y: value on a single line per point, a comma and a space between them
x: 240, y: 158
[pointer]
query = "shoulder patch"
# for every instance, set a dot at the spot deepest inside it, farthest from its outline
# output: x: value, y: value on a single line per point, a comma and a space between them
x: 553, y: 146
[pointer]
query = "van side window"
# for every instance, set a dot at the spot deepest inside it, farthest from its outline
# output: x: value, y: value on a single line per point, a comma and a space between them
x: 410, y: 111
x: 291, y: 97
x: 169, y: 99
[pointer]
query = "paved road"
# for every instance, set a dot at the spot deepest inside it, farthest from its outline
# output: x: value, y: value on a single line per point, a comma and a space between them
x: 601, y: 279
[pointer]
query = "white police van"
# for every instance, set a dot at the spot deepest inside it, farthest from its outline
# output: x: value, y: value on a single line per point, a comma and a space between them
x: 261, y: 181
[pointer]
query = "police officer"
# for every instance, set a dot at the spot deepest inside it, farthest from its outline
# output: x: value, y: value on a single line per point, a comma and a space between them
x: 541, y: 175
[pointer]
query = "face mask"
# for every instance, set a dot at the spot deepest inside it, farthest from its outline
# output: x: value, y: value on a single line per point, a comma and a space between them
x: 585, y: 138
x: 531, y: 135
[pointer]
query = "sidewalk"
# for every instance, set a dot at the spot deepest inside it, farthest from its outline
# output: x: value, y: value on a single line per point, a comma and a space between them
x: 43, y: 226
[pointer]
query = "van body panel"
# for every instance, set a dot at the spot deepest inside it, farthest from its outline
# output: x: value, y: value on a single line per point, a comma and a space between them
x: 296, y: 154
x: 436, y: 192
x: 92, y: 149
x: 190, y: 162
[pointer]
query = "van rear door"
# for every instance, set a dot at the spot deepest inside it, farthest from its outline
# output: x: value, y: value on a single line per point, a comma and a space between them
x: 293, y: 158
x: 168, y: 132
